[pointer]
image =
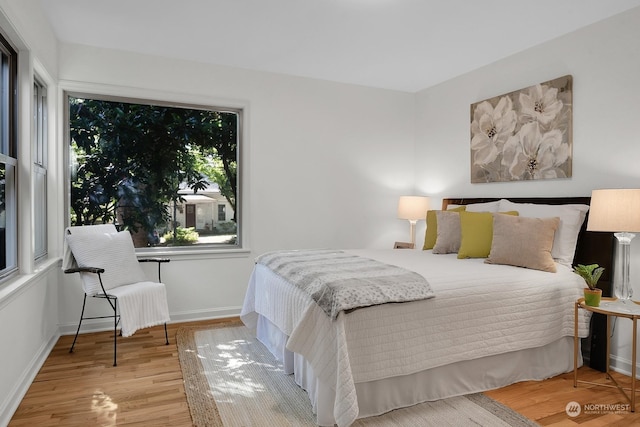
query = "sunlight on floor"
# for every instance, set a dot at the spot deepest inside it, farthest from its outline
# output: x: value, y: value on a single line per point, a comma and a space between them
x: 232, y: 359
x: 105, y: 409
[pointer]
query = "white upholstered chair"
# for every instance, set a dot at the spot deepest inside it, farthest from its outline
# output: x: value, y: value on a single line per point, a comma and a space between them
x: 109, y: 269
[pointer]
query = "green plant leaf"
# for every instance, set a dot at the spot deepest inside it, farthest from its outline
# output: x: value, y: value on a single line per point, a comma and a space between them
x: 590, y: 273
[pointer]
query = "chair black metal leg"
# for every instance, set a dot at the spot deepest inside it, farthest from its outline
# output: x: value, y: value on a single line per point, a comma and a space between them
x: 115, y: 331
x: 79, y: 324
x: 166, y: 335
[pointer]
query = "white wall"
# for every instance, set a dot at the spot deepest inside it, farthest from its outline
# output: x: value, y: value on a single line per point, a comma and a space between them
x: 604, y: 60
x: 29, y: 331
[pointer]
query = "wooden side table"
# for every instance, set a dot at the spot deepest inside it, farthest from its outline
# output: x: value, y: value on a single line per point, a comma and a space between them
x: 610, y: 307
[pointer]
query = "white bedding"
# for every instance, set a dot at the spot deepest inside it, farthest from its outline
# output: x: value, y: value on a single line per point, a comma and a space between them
x: 479, y: 310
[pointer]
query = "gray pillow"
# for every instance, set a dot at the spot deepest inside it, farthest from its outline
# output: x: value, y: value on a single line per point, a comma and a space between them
x: 448, y: 240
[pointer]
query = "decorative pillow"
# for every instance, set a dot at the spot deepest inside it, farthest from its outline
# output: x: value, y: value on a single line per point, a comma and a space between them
x: 114, y: 252
x: 431, y: 234
x: 476, y: 233
x: 448, y: 241
x: 571, y: 218
x: 523, y: 242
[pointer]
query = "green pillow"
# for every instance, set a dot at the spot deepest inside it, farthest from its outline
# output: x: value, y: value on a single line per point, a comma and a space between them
x: 431, y: 234
x: 476, y: 233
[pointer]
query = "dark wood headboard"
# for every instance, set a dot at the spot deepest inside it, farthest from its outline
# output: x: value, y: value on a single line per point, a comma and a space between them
x: 593, y: 247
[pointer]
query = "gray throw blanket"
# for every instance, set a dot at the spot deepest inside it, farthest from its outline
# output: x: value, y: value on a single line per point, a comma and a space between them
x: 338, y: 281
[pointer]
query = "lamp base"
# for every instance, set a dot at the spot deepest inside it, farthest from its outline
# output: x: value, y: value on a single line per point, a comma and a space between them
x: 412, y: 231
x: 622, y: 287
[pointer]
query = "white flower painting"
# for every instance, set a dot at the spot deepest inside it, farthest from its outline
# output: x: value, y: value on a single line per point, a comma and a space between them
x: 523, y: 135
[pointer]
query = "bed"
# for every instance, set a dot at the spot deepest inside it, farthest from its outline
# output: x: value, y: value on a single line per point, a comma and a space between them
x: 488, y: 324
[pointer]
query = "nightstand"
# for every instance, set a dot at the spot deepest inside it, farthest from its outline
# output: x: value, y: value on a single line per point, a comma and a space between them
x: 404, y: 245
x: 610, y: 307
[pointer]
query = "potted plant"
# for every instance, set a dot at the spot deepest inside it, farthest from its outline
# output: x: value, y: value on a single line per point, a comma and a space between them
x: 591, y: 274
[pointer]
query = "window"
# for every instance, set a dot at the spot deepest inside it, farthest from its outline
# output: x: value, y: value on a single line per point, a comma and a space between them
x: 39, y: 136
x: 157, y: 170
x: 8, y: 160
x: 222, y: 215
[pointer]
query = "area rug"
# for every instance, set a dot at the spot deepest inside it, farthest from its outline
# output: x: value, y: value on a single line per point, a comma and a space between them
x: 231, y: 380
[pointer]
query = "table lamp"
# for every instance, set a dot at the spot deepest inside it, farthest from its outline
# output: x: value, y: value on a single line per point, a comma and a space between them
x: 617, y: 211
x: 413, y: 208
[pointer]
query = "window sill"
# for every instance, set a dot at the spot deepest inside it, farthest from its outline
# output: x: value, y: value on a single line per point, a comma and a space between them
x: 196, y: 253
x: 19, y: 283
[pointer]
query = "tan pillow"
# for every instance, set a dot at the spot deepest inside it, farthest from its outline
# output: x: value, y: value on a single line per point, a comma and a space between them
x: 448, y: 241
x: 431, y: 234
x: 523, y: 242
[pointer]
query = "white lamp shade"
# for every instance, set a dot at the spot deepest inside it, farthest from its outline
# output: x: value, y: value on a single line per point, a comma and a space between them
x: 615, y: 210
x: 413, y: 208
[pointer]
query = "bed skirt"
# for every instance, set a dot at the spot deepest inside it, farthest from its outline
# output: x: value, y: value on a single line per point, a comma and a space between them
x: 465, y: 377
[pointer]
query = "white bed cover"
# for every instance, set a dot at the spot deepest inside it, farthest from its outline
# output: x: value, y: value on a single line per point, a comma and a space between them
x: 479, y: 310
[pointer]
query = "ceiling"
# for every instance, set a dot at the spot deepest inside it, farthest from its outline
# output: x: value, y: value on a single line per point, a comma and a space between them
x: 405, y: 45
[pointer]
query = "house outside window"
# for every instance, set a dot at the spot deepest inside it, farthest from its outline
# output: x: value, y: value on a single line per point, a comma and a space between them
x: 154, y: 169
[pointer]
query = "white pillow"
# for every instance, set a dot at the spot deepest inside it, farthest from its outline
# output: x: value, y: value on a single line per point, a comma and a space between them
x: 479, y: 207
x: 571, y: 218
x: 114, y: 252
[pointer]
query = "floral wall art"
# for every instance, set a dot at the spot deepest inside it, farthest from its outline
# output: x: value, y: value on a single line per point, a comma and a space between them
x: 523, y: 135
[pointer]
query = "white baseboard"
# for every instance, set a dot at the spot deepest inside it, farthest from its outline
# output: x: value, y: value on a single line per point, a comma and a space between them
x: 621, y: 365
x: 99, y: 325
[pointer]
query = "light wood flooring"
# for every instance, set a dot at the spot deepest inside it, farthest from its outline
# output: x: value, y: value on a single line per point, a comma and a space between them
x: 146, y: 388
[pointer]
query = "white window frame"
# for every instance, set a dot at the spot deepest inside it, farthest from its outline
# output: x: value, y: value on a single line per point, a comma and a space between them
x: 40, y: 160
x: 8, y: 157
x: 131, y: 95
